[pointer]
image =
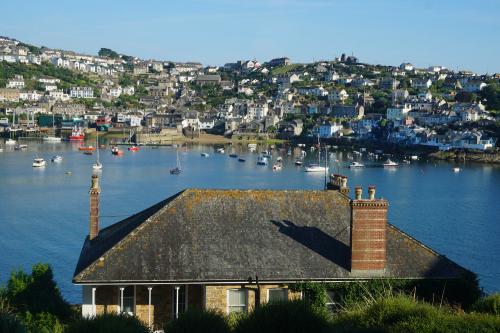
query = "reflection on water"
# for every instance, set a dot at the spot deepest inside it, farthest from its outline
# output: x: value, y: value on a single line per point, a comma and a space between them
x: 44, y: 211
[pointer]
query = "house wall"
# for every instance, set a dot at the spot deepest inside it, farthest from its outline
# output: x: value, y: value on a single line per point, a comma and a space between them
x: 216, y: 296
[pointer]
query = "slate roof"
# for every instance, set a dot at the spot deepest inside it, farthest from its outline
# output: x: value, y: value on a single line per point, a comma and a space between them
x: 203, y: 236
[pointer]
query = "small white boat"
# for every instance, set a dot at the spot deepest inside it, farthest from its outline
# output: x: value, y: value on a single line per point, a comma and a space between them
x: 97, y: 166
x: 279, y: 159
x: 252, y: 145
x: 355, y: 165
x: 220, y: 150
x: 277, y: 166
x: 262, y: 161
x: 56, y: 159
x: 390, y: 164
x: 10, y: 142
x: 20, y: 147
x: 414, y: 157
x: 51, y: 139
x: 205, y: 155
x: 1, y: 149
x: 315, y: 168
x: 456, y: 170
x: 298, y: 162
x: 38, y: 162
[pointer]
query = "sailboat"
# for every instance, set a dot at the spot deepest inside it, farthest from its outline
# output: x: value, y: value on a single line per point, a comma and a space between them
x: 97, y: 165
x: 177, y: 170
x: 317, y: 167
x: 52, y: 138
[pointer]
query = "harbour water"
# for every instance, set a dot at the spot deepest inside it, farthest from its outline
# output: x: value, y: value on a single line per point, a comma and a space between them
x: 44, y: 211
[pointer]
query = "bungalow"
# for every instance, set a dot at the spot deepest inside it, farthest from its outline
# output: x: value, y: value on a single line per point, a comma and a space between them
x: 246, y: 251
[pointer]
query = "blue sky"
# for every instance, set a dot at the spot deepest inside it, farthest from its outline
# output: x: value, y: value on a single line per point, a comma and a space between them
x: 458, y: 34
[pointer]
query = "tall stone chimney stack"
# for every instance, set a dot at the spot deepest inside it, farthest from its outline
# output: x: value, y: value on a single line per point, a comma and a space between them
x: 368, y: 233
x: 94, y: 192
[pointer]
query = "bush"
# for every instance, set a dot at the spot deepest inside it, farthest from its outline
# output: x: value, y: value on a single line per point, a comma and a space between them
x: 490, y: 304
x: 403, y: 314
x: 43, y: 322
x: 195, y: 320
x: 108, y: 323
x: 36, y: 292
x: 290, y: 317
x: 9, y: 323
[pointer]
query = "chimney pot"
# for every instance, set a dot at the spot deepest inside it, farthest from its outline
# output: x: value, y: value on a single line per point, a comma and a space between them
x: 358, y: 191
x: 371, y: 192
x: 344, y: 181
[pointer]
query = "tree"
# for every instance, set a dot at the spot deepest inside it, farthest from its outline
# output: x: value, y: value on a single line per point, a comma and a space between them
x: 104, y: 52
x: 491, y: 93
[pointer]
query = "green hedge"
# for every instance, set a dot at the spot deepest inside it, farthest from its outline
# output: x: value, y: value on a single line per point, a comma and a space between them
x: 107, y: 323
x: 489, y: 304
x: 198, y: 321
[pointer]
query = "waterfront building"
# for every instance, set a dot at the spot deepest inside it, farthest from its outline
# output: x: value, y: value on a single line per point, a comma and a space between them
x: 231, y: 250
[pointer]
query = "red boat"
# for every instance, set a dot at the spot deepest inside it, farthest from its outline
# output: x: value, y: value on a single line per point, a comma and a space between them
x: 133, y: 148
x: 89, y: 148
x: 77, y: 135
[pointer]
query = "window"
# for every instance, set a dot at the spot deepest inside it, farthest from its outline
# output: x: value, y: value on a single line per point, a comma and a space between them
x: 277, y: 295
x: 331, y: 300
x: 128, y: 300
x: 237, y: 300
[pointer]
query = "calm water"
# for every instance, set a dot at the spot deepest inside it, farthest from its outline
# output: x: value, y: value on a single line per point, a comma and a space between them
x: 44, y: 212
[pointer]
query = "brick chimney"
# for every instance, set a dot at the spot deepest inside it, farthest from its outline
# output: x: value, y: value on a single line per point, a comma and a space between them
x: 368, y: 233
x: 94, y: 192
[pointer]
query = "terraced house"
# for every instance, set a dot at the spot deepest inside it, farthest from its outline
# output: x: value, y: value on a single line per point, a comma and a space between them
x: 232, y: 250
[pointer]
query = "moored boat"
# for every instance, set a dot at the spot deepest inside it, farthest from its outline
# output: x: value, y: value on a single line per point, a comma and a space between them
x: 21, y: 147
x: 56, y: 159
x: 390, y: 164
x: 133, y: 148
x: 177, y: 170
x: 277, y: 166
x: 205, y: 155
x: 220, y: 150
x: 298, y: 162
x: 38, y: 162
x: 233, y: 155
x: 262, y: 161
x: 355, y: 165
x: 241, y: 159
x: 87, y: 148
x: 456, y: 169
x: 10, y: 142
x: 315, y: 168
x: 77, y: 134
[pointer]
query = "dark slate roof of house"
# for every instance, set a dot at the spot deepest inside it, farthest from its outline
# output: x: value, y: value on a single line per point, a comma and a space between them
x: 203, y: 236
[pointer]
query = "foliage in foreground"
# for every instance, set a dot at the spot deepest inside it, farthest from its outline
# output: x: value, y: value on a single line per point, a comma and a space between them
x: 198, y: 321
x: 290, y: 317
x: 9, y: 323
x: 108, y: 323
x: 404, y: 314
x: 489, y: 304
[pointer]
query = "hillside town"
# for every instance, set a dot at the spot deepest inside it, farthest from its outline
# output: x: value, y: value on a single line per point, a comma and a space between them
x: 43, y: 88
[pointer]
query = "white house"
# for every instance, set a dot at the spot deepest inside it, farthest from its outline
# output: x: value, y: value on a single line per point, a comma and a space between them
x: 16, y: 83
x: 115, y: 91
x: 327, y: 130
x: 421, y: 84
x: 257, y: 111
x: 474, y: 86
x: 338, y: 96
x: 129, y: 90
x: 398, y: 112
x: 81, y: 92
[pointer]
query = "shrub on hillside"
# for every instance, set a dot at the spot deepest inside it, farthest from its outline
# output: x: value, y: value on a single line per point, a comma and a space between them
x: 403, y: 314
x: 9, y: 323
x: 107, y: 323
x: 290, y: 317
x: 194, y: 321
x: 36, y: 292
x: 489, y: 304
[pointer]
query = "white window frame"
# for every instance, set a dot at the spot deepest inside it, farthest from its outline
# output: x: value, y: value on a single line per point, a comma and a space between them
x: 246, y: 300
x: 278, y: 288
